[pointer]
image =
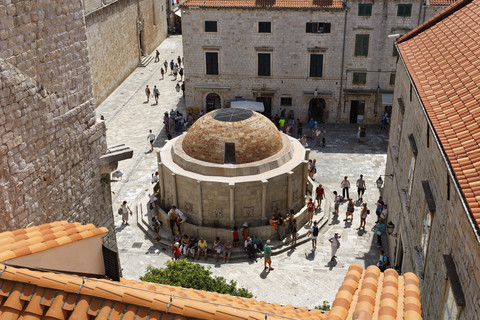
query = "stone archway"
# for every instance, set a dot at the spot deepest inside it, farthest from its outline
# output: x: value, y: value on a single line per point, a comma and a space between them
x: 212, y: 102
x: 316, y: 109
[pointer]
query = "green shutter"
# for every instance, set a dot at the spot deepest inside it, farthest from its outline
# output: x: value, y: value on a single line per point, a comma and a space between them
x: 361, y: 45
x: 364, y: 9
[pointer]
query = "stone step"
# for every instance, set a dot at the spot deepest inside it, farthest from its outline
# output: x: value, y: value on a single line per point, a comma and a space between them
x: 145, y: 61
x: 238, y: 253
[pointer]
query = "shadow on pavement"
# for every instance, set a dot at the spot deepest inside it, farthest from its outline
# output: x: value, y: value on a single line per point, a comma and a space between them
x: 331, y: 264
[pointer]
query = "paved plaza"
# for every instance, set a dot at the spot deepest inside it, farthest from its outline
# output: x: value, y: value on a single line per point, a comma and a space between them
x: 302, y: 277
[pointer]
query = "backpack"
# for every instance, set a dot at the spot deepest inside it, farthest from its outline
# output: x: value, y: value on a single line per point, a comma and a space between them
x: 120, y: 211
x: 315, y: 231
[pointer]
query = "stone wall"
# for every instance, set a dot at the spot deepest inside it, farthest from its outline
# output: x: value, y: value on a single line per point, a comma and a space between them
x: 115, y: 51
x: 452, y: 231
x: 238, y: 43
x: 50, y: 142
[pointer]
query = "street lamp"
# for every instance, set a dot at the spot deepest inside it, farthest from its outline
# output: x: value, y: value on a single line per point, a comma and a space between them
x: 177, y: 87
x: 390, y: 228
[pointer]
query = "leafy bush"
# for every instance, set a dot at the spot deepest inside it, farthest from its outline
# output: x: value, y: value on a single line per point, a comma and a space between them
x: 186, y: 274
x: 324, y: 307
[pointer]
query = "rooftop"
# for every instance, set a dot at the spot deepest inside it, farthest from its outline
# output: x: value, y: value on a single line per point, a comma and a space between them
x: 443, y: 59
x: 279, y: 4
x: 21, y: 242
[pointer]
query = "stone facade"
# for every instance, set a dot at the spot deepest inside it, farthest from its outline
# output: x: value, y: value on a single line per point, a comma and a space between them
x: 117, y: 34
x: 50, y: 141
x: 337, y: 99
x: 452, y: 231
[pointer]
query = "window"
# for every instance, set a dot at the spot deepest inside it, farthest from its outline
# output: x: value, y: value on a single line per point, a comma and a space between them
x: 364, y: 9
x: 427, y: 225
x: 210, y: 26
x: 286, y: 102
x: 359, y: 78
x: 229, y: 153
x: 450, y: 308
x: 264, y: 64
x: 265, y: 27
x: 404, y: 10
x: 361, y: 45
x: 316, y: 65
x: 211, y: 59
x: 392, y: 78
x: 318, y: 27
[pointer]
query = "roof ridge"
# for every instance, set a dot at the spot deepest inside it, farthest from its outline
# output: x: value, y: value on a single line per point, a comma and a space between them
x: 435, y: 19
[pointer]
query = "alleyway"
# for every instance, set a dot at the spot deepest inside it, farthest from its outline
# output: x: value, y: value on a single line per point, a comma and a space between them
x: 301, y: 277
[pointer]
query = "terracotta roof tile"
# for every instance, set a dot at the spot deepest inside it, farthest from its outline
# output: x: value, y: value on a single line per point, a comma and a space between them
x: 446, y: 48
x: 291, y: 4
x: 21, y: 242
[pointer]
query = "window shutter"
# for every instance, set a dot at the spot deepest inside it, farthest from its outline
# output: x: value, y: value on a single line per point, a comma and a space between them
x: 326, y: 28
x: 309, y: 27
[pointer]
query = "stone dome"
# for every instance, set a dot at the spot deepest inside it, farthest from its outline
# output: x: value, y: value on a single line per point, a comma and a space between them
x: 232, y: 135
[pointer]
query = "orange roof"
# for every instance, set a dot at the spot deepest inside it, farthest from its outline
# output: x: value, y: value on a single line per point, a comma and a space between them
x: 280, y: 4
x: 31, y: 294
x: 442, y: 2
x: 443, y: 59
x: 371, y: 294
x: 21, y: 242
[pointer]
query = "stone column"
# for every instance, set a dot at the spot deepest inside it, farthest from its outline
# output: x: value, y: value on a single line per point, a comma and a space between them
x: 304, y: 177
x: 200, y: 202
x: 174, y: 189
x: 232, y: 201
x: 289, y: 189
x: 307, y: 154
x: 264, y: 200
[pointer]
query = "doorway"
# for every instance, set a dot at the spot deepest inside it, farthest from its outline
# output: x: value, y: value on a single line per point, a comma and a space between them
x: 213, y: 102
x: 267, y: 105
x: 141, y: 44
x: 399, y: 254
x: 357, y: 111
x: 316, y: 109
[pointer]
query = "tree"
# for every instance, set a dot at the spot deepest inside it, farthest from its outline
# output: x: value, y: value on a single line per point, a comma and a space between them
x: 186, y: 274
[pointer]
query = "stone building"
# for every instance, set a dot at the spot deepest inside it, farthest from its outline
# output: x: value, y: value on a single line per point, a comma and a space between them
x: 331, y: 60
x: 119, y: 34
x: 51, y: 144
x: 233, y: 166
x: 433, y: 196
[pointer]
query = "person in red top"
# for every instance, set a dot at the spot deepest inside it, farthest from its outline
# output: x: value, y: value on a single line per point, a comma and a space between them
x: 176, y: 251
x: 319, y: 195
x: 310, y: 210
x: 235, y: 236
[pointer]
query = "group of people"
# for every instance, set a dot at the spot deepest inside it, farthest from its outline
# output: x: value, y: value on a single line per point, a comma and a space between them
x: 186, y: 246
x: 176, y: 70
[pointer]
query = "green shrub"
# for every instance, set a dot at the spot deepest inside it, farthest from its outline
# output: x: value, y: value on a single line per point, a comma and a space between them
x: 324, y: 307
x: 182, y: 273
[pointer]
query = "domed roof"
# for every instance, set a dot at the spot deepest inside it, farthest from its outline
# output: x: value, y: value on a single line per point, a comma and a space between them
x: 232, y: 135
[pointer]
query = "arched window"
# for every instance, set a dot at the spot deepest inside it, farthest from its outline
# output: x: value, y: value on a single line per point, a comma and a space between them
x: 213, y: 102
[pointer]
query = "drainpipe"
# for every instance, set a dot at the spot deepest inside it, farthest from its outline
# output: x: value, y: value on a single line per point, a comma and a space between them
x: 339, y: 109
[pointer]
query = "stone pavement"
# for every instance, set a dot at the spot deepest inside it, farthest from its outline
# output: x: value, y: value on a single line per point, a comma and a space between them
x: 302, y: 277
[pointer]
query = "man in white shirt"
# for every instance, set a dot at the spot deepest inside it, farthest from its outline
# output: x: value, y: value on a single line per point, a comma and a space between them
x: 151, y: 139
x: 361, y: 187
x: 345, y: 184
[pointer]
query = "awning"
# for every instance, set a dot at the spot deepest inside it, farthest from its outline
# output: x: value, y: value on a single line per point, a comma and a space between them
x: 252, y: 105
x: 179, y: 13
x: 387, y: 98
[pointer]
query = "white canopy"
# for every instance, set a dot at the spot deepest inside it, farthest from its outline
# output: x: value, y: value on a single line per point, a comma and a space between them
x: 252, y: 105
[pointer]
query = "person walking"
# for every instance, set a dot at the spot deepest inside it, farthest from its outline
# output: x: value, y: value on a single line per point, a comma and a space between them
x: 171, y: 66
x: 323, y: 136
x: 379, y: 209
x: 337, y: 202
x: 363, y: 216
x: 294, y: 231
x: 151, y: 139
x: 310, y: 210
x: 182, y: 87
x: 165, y: 65
x: 267, y: 255
x: 350, y: 210
x: 379, y: 229
x: 319, y: 195
x: 318, y: 134
x: 157, y: 56
x: 125, y: 209
x: 147, y: 93
x: 163, y: 73
x: 345, y: 185
x: 156, y: 94
x: 179, y: 61
x: 180, y: 72
x: 311, y: 128
x: 334, y: 244
x: 384, y: 213
x: 314, y: 232
x: 175, y: 72
x: 363, y: 134
x: 361, y: 187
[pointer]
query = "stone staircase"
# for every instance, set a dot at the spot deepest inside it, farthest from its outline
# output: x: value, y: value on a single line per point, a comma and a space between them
x: 238, y: 253
x: 145, y: 61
